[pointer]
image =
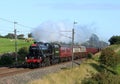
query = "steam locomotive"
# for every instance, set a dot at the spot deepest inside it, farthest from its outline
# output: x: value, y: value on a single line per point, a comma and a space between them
x: 45, y: 54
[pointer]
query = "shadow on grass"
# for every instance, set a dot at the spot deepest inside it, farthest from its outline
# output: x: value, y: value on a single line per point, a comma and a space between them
x: 65, y: 68
x: 97, y: 67
x: 101, y: 68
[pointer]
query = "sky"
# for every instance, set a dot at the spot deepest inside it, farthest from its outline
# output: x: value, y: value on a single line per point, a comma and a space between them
x: 101, y: 17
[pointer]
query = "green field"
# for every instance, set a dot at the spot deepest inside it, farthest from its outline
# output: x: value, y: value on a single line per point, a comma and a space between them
x: 8, y: 45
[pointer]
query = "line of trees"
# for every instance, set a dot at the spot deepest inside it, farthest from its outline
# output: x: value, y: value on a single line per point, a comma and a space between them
x: 92, y: 42
x: 12, y: 36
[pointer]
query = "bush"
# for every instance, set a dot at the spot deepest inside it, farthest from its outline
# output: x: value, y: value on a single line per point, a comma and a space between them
x: 108, y: 57
x: 6, y: 59
x: 90, y: 55
x: 23, y: 52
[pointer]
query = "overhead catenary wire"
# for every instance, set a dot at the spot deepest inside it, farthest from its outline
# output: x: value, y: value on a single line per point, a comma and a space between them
x: 16, y: 23
x: 21, y: 25
x: 6, y: 20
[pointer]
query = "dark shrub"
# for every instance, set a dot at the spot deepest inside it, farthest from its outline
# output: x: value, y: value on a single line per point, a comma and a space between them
x: 22, y: 53
x: 6, y: 59
x: 89, y: 56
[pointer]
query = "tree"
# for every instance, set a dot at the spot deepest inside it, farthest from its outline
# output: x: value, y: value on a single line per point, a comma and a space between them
x: 10, y: 35
x: 29, y: 35
x: 114, y: 40
x: 21, y: 36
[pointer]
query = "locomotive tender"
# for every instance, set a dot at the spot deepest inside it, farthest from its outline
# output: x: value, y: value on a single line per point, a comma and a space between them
x: 44, y: 54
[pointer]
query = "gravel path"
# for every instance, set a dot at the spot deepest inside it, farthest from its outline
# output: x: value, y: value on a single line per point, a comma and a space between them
x: 32, y: 75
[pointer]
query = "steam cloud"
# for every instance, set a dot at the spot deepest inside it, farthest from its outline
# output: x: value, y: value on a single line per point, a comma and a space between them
x: 61, y: 31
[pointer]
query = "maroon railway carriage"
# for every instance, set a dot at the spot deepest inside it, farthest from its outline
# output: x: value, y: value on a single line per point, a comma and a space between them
x: 92, y: 50
x: 66, y: 52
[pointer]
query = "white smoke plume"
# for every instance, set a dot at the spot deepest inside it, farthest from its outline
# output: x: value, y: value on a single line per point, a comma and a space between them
x: 61, y: 31
x: 83, y: 33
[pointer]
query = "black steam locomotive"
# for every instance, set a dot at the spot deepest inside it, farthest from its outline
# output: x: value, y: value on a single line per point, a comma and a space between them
x: 42, y: 54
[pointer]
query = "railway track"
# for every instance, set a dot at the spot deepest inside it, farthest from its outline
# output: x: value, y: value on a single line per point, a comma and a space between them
x: 6, y: 71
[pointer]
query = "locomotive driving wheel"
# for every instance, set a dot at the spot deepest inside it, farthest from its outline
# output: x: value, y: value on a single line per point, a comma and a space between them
x: 46, y: 62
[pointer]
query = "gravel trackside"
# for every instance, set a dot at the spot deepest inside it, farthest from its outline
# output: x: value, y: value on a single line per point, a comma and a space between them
x: 26, y: 77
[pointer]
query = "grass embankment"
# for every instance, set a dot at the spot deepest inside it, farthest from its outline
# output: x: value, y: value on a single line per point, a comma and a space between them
x: 117, y: 50
x: 8, y: 45
x: 69, y: 76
